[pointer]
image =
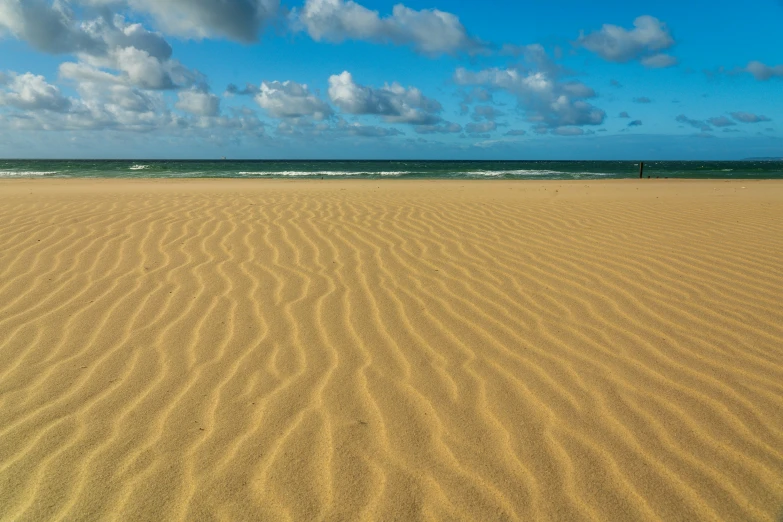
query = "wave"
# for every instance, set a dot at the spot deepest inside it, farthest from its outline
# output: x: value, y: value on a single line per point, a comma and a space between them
x: 345, y: 173
x: 471, y: 173
x: 437, y: 174
x: 519, y: 172
x: 25, y: 173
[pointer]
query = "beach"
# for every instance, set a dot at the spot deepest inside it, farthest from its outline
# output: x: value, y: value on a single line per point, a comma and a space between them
x: 391, y: 349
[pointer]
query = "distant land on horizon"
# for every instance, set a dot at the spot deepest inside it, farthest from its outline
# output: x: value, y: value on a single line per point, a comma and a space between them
x: 764, y: 159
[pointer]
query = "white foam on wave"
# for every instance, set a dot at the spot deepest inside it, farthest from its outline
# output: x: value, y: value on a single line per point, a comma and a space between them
x: 520, y: 172
x: 139, y: 167
x: 25, y: 173
x: 529, y: 172
x: 305, y: 174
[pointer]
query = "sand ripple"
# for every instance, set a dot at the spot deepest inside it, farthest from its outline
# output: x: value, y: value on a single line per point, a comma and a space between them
x: 280, y: 350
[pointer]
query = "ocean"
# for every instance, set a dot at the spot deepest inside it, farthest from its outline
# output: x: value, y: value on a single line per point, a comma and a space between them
x: 751, y: 169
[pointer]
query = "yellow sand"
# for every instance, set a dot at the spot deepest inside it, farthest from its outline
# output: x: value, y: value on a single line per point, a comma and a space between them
x: 391, y: 350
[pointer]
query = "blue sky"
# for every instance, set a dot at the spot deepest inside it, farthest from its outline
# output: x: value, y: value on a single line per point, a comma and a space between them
x: 375, y: 79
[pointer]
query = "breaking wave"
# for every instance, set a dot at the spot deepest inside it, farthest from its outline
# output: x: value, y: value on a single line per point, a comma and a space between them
x: 25, y: 173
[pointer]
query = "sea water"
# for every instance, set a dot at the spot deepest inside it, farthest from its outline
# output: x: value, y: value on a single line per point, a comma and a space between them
x: 752, y: 169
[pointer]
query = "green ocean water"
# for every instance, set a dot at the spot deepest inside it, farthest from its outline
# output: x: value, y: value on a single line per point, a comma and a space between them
x: 752, y: 169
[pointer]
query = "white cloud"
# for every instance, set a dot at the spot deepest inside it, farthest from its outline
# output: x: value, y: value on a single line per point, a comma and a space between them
x: 367, y: 131
x: 81, y: 72
x: 116, y: 32
x: 568, y: 131
x: 545, y: 100
x: 764, y: 72
x: 141, y: 68
x: 120, y: 98
x: 142, y: 57
x: 32, y: 104
x: 135, y: 67
x: 239, y: 20
x: 394, y: 102
x: 746, y: 117
x: 445, y: 127
x: 720, y: 121
x: 659, y: 61
x: 485, y: 112
x: 428, y: 31
x: 47, y: 28
x: 291, y: 100
x: 30, y: 92
x: 198, y: 103
x: 644, y: 42
x: 41, y: 106
x: 696, y: 124
x: 481, y: 128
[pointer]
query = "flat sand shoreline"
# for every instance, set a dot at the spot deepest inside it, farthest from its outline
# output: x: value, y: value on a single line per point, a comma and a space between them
x: 391, y: 350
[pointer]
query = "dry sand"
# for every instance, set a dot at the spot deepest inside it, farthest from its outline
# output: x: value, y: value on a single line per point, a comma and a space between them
x: 396, y: 350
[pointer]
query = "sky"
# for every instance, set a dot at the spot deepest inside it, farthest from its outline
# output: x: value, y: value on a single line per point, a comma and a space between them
x: 425, y: 79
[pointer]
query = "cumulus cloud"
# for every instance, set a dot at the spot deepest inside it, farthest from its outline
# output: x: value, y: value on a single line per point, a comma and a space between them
x: 764, y: 72
x: 623, y: 115
x: 440, y: 128
x: 746, y: 117
x: 568, y: 131
x: 659, y: 61
x: 133, y: 67
x: 516, y: 132
x: 697, y: 124
x: 485, y: 112
x: 428, y: 31
x: 239, y: 20
x: 644, y: 43
x: 134, y: 55
x: 291, y: 100
x: 141, y: 58
x: 635, y: 123
x: 116, y: 32
x: 336, y: 128
x: 41, y: 106
x: 367, y: 131
x: 720, y: 121
x: 36, y: 105
x: 198, y: 103
x: 55, y: 29
x: 546, y: 100
x: 394, y: 102
x: 31, y: 92
x: 47, y: 28
x: 121, y: 98
x: 481, y: 128
x: 249, y: 90
x: 476, y: 94
x: 615, y: 83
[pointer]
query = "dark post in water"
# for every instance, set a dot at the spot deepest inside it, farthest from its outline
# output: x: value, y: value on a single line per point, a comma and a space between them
x: 641, y: 169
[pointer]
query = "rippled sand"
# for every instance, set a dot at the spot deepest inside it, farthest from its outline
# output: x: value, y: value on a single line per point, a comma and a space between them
x: 394, y: 350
